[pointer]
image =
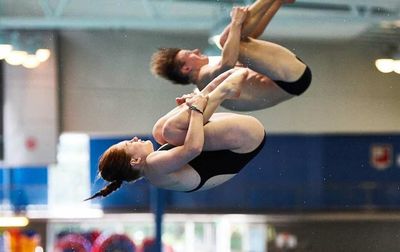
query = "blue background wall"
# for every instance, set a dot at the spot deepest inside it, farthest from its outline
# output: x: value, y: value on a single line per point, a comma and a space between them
x: 24, y: 186
x: 293, y: 172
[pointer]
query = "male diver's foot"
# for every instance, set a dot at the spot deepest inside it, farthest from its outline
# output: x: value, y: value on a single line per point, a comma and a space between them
x: 232, y: 85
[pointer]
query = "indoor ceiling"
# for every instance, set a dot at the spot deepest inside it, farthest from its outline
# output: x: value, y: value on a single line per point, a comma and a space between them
x: 306, y: 19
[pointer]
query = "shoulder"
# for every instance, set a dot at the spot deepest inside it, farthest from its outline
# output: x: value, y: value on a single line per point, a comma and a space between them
x: 208, y: 73
x: 205, y: 76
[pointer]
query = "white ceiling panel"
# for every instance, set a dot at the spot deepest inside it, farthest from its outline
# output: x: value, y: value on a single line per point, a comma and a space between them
x: 309, y: 19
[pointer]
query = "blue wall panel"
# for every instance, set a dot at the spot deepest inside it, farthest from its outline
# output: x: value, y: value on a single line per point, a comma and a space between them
x: 25, y: 186
x: 29, y: 186
x: 349, y: 178
x: 293, y: 172
x: 281, y: 177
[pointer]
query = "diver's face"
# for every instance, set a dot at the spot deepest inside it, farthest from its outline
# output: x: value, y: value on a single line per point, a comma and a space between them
x: 192, y: 58
x: 136, y: 147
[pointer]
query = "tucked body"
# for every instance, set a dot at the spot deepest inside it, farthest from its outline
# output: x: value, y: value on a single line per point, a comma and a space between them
x: 275, y: 73
x: 197, y: 138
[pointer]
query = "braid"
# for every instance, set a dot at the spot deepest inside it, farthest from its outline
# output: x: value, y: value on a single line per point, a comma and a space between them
x: 107, y: 189
x: 115, y: 167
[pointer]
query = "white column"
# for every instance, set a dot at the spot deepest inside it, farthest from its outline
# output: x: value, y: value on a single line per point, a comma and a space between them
x: 31, y: 112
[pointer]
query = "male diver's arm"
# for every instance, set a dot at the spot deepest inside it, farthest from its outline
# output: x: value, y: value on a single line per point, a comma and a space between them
x: 231, y: 48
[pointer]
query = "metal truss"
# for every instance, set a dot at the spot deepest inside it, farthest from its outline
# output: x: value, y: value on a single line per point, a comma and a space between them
x: 182, y: 15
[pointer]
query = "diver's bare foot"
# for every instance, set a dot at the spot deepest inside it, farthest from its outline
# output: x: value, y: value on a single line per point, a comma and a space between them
x: 232, y: 85
x: 183, y: 98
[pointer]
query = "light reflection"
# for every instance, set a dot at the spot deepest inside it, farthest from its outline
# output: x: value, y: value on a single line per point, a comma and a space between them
x: 384, y: 65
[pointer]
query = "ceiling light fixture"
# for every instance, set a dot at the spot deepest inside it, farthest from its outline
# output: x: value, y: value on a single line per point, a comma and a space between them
x: 396, y: 66
x: 16, y: 58
x: 31, y: 61
x: 384, y: 65
x: 391, y: 63
x: 43, y: 54
x: 24, y: 49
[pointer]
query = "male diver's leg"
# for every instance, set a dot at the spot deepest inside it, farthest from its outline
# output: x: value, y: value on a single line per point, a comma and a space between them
x: 254, y: 25
x: 270, y: 59
x: 255, y: 15
x: 258, y: 29
x: 255, y: 18
x: 258, y: 18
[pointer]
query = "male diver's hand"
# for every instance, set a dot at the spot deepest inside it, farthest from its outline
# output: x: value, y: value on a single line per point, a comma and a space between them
x: 238, y: 15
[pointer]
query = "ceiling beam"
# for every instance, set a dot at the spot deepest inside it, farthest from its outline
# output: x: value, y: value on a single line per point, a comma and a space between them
x: 7, y: 23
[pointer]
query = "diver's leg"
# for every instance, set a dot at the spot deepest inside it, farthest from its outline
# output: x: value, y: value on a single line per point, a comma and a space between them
x: 270, y: 59
x: 254, y: 17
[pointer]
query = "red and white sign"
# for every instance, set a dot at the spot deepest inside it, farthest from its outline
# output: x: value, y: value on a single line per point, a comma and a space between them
x: 381, y: 156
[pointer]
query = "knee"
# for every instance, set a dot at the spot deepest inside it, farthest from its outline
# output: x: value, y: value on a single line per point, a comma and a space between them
x: 172, y: 134
x: 166, y: 130
x: 158, y: 132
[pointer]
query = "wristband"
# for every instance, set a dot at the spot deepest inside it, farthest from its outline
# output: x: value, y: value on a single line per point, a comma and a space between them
x: 194, y: 108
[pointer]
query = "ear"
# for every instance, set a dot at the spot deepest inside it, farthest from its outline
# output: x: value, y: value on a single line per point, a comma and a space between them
x: 135, y: 161
x: 185, y: 69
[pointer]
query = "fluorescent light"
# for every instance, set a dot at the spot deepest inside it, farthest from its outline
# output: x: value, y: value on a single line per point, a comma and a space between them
x: 16, y: 58
x: 65, y: 212
x: 39, y: 249
x: 43, y: 54
x: 396, y: 66
x: 14, y: 221
x: 31, y: 61
x: 385, y: 65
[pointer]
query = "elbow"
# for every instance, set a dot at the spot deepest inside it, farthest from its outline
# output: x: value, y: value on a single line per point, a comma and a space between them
x: 194, y: 146
x: 198, y: 149
x: 227, y: 65
x: 195, y: 150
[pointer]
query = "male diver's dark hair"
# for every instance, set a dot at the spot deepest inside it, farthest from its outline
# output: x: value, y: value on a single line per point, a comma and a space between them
x: 164, y: 64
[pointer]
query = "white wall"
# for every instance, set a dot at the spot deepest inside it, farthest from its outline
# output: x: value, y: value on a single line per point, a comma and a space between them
x: 107, y: 86
x: 30, y: 110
